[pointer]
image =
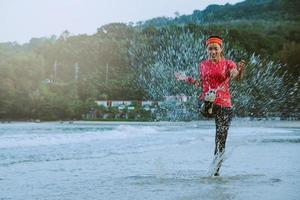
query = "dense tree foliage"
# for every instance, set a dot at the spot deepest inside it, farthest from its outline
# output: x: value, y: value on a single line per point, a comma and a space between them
x: 60, y: 77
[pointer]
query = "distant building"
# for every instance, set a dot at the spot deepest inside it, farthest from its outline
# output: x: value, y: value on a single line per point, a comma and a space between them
x: 127, y: 103
x: 126, y: 108
x: 178, y: 99
x: 121, y: 104
x: 102, y: 103
x: 116, y: 103
x: 148, y: 103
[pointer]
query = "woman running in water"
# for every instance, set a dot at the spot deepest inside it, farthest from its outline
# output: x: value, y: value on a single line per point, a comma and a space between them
x: 215, y: 74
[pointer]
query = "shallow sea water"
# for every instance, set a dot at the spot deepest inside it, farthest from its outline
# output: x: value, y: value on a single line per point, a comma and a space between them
x: 160, y: 160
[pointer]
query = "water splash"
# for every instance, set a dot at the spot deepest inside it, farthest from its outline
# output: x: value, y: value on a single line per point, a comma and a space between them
x: 157, y: 57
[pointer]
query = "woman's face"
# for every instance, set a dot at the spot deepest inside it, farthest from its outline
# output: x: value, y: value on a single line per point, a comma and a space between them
x: 214, y: 51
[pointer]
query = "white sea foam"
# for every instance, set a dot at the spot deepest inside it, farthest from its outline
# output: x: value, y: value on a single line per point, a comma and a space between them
x: 42, y: 139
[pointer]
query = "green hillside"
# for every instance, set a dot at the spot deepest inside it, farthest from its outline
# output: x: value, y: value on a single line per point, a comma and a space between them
x: 61, y: 76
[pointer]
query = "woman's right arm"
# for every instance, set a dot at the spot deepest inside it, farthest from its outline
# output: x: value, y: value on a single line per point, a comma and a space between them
x: 188, y: 80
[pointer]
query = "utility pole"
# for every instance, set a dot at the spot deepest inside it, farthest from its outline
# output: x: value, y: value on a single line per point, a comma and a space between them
x: 106, y: 77
x: 55, y: 70
x: 76, y: 71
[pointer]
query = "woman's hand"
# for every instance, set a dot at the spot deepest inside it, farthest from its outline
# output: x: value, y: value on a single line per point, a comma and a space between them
x: 187, y: 79
x: 241, y: 67
x: 180, y: 76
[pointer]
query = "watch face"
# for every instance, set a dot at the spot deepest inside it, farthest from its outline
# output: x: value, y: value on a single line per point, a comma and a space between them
x: 210, y: 95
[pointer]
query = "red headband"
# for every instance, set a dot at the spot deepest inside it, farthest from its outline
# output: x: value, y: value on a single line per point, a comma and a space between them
x: 214, y: 40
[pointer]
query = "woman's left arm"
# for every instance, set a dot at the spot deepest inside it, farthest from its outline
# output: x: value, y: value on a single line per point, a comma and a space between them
x: 237, y: 73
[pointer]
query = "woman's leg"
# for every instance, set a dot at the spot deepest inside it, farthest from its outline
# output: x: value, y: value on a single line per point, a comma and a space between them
x: 223, y: 118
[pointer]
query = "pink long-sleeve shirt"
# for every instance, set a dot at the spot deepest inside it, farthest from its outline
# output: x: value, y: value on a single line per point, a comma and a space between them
x: 216, y: 76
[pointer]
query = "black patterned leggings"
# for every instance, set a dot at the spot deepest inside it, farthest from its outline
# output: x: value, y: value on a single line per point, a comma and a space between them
x: 222, y: 118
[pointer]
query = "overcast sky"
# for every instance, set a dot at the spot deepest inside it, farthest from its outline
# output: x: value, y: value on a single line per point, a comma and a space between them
x: 21, y: 20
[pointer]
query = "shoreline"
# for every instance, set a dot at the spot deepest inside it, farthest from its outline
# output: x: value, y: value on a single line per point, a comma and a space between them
x: 236, y: 122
